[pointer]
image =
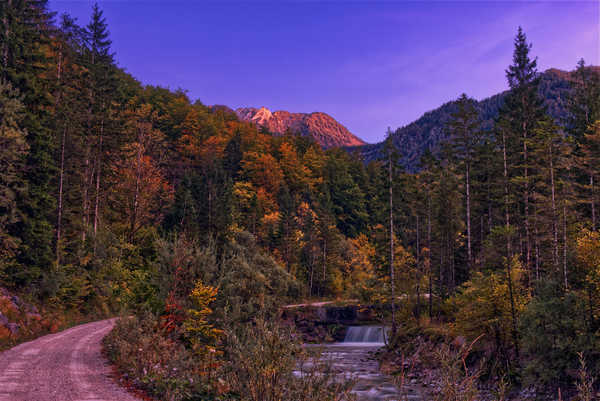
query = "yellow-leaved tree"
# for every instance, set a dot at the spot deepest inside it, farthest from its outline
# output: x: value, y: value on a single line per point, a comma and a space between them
x: 482, y: 307
x: 360, y: 277
x: 588, y: 261
x: 197, y: 329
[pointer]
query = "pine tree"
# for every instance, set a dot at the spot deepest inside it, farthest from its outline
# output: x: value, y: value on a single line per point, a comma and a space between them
x: 101, y: 81
x: 69, y: 122
x: 449, y: 224
x: 465, y: 137
x: 427, y: 178
x: 522, y: 110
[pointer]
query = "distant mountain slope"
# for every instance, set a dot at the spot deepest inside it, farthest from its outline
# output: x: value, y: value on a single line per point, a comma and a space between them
x: 322, y: 127
x: 429, y: 131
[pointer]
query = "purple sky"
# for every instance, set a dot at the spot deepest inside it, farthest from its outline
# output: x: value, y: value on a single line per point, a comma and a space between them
x: 368, y: 64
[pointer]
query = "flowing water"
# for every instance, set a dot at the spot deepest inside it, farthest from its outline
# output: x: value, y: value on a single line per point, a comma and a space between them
x: 366, y: 335
x: 354, y: 358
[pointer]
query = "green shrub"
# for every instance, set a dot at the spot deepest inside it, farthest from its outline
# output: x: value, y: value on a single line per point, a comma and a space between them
x: 553, y: 328
x: 266, y: 363
x: 249, y: 282
x: 163, y: 368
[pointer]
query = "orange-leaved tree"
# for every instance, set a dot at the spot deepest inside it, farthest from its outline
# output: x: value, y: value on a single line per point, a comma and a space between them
x: 141, y: 192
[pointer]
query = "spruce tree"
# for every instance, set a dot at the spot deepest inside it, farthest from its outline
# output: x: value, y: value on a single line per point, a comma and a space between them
x: 465, y: 137
x: 522, y: 111
x: 101, y: 89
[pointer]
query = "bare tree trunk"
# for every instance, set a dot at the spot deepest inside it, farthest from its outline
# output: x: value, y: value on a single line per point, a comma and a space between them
x: 526, y: 196
x: 554, y: 214
x: 593, y: 202
x: 565, y: 244
x: 61, y: 171
x: 418, y: 308
x: 468, y: 190
x: 537, y: 244
x: 489, y: 200
x: 591, y: 309
x: 324, y: 263
x: 481, y: 235
x: 136, y: 193
x: 60, y: 194
x: 506, y: 192
x: 521, y: 243
x: 452, y: 261
x: 429, y: 255
x: 85, y: 199
x: 88, y: 178
x: 287, y: 245
x: 441, y: 268
x: 98, y: 174
x: 509, y: 250
x: 392, y: 275
x: 6, y: 36
x: 312, y: 270
x: 210, y: 220
x: 527, y: 229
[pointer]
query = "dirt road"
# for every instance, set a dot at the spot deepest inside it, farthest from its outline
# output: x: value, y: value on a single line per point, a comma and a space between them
x: 66, y: 366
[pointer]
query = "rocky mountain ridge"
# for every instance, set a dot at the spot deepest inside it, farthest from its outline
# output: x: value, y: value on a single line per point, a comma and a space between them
x: 323, y: 128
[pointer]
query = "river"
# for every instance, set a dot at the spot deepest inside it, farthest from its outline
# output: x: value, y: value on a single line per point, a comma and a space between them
x: 355, y: 358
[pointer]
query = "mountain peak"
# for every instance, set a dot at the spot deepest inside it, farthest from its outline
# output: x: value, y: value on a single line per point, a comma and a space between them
x: 262, y: 116
x: 323, y: 128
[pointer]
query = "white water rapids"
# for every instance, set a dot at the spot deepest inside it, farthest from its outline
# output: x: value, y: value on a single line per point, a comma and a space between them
x: 354, y: 359
x: 366, y: 335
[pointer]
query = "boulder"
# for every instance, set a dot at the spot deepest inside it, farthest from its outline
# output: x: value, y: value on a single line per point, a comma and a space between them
x: 459, y: 341
x: 8, y: 302
x: 15, y: 300
x: 34, y: 316
x: 14, y: 328
x: 3, y: 320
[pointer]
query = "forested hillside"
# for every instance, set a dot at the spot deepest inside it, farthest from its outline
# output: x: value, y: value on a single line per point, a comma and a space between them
x: 101, y: 172
x: 115, y: 196
x: 429, y: 131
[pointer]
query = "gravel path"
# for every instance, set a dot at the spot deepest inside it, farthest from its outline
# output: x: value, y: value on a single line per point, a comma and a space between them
x: 66, y: 366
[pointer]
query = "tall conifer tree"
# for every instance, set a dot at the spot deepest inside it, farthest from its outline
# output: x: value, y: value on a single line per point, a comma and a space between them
x: 465, y: 136
x: 26, y: 31
x: 522, y: 111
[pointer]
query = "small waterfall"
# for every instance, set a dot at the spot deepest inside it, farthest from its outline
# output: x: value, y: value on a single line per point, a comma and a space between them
x: 365, y: 334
